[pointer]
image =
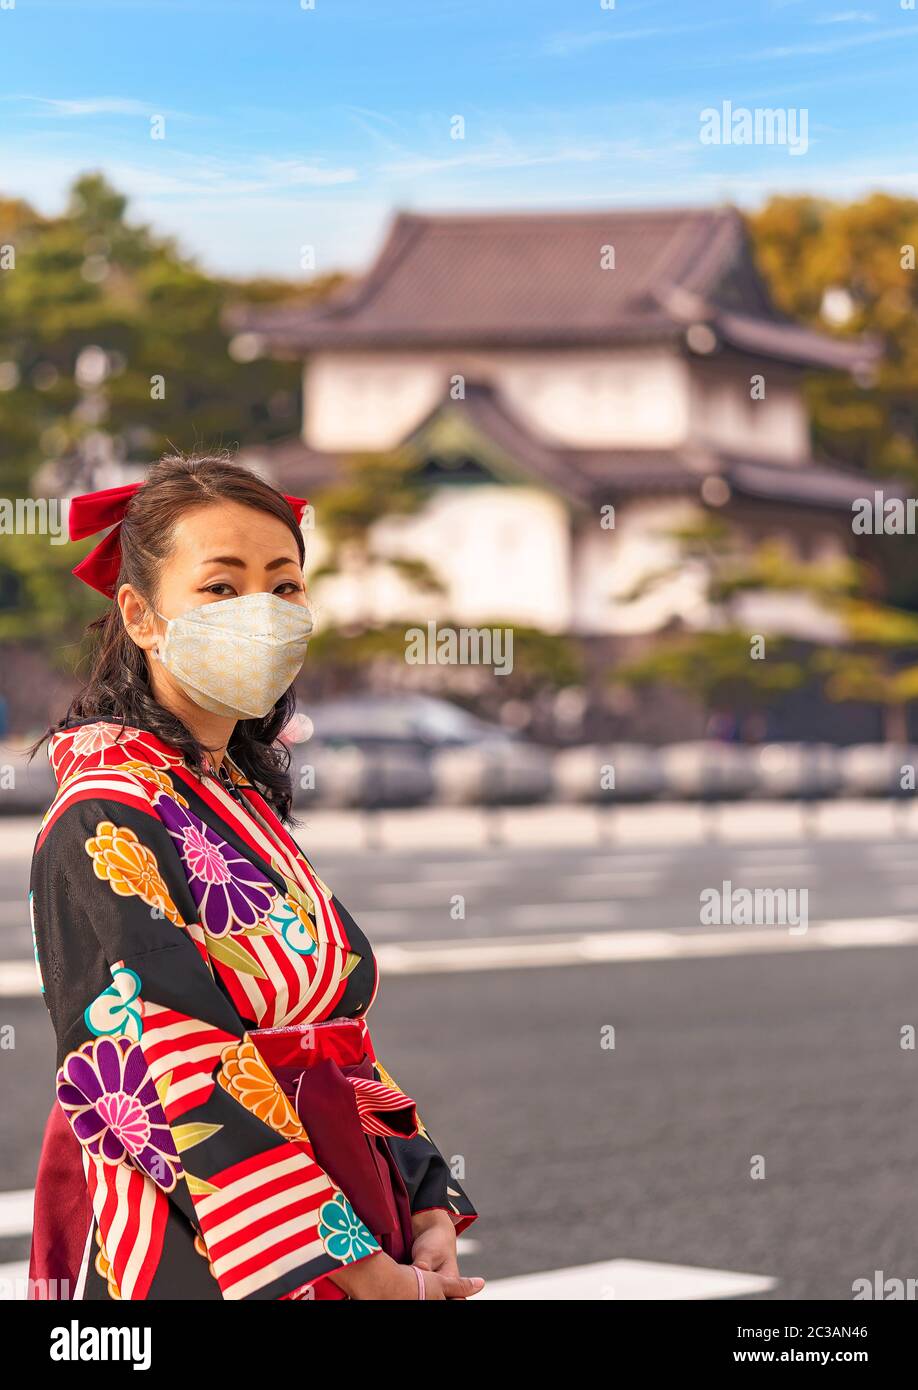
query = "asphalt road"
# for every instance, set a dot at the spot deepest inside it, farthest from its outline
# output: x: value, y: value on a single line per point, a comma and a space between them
x: 576, y: 1152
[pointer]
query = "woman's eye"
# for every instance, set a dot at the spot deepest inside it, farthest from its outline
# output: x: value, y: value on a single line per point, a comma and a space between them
x: 221, y: 590
x: 289, y: 586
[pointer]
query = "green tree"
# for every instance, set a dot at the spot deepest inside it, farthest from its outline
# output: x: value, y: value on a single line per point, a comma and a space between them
x: 879, y: 662
x: 850, y: 268
x: 107, y: 330
x: 722, y: 666
x: 873, y: 659
x: 114, y: 348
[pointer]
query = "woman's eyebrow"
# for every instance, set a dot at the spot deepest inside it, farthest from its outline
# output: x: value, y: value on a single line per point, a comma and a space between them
x: 241, y: 564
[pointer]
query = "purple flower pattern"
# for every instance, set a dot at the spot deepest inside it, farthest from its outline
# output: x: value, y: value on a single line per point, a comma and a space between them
x: 110, y: 1099
x: 231, y: 894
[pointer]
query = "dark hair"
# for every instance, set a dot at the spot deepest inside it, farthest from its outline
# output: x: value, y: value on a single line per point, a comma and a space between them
x: 118, y: 687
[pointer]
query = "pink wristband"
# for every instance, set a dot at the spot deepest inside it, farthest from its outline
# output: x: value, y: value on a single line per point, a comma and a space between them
x: 422, y: 1291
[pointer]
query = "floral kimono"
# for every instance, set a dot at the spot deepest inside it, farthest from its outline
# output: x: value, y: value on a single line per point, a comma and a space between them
x: 222, y: 1127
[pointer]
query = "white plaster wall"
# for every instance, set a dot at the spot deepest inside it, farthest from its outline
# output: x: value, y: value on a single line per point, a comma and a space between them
x: 627, y: 398
x: 501, y: 552
x: 723, y: 414
x: 615, y: 399
x: 507, y: 553
x: 610, y: 563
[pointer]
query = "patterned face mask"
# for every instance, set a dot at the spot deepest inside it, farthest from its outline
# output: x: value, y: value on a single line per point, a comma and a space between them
x: 238, y: 656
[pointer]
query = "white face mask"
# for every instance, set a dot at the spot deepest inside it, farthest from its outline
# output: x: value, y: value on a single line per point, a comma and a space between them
x: 238, y: 656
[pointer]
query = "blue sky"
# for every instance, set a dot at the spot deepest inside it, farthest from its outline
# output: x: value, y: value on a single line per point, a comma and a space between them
x: 288, y: 127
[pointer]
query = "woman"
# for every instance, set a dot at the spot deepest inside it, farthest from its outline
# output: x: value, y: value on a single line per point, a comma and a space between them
x: 222, y: 1128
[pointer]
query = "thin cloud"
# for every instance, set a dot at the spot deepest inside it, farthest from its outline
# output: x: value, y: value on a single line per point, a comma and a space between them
x: 567, y: 44
x: 369, y: 121
x: 509, y: 155
x: 72, y: 109
x: 292, y: 173
x: 89, y: 106
x: 847, y: 17
x: 488, y: 159
x: 372, y: 115
x: 823, y: 47
x: 181, y: 176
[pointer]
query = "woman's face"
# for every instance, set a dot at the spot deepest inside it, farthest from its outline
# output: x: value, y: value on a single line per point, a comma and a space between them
x: 221, y: 550
x: 225, y: 550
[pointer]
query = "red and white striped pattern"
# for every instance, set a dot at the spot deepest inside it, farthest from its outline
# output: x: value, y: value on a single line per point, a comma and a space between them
x: 131, y: 1212
x: 105, y: 784
x: 293, y: 988
x: 184, y: 1050
x: 263, y: 1222
x: 374, y: 1099
x: 260, y: 828
x: 302, y: 870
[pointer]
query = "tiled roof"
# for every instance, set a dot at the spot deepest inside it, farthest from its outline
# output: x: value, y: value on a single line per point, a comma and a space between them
x: 785, y: 341
x: 537, y: 279
x: 816, y: 485
x: 487, y: 414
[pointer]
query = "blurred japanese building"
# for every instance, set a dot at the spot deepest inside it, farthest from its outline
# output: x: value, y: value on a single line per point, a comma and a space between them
x: 573, y: 386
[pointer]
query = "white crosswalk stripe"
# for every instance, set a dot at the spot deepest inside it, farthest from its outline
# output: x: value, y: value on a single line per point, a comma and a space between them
x: 14, y: 1281
x: 18, y: 979
x: 616, y: 1280
x: 520, y: 952
x: 554, y: 915
x: 16, y: 1212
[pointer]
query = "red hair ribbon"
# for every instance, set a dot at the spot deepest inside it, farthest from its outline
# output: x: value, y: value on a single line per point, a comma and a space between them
x: 93, y: 511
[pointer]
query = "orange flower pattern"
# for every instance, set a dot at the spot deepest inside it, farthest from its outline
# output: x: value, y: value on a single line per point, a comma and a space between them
x: 130, y: 867
x: 245, y: 1076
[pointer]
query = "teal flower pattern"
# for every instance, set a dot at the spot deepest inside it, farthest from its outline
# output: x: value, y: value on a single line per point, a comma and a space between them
x: 342, y: 1232
x: 294, y: 926
x: 112, y: 1013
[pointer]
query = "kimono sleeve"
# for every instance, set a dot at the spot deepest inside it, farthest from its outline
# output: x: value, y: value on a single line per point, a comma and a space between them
x: 428, y: 1177
x: 165, y: 1091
